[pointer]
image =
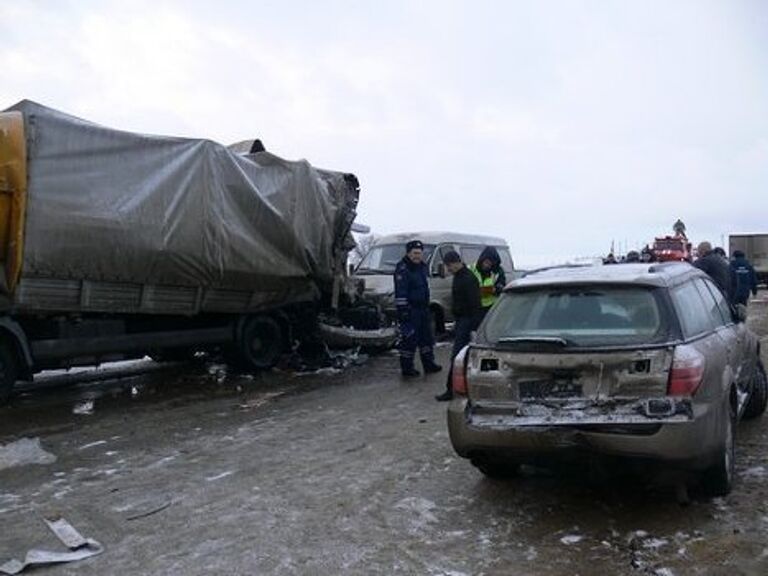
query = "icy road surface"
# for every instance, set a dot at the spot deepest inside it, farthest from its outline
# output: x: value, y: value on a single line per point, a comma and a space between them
x: 192, y: 470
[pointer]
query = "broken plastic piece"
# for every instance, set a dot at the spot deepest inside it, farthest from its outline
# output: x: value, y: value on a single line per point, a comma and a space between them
x: 80, y: 548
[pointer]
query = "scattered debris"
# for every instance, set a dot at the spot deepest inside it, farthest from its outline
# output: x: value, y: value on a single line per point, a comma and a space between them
x: 150, y: 512
x: 22, y: 452
x: 79, y: 547
x: 571, y: 539
x: 84, y: 408
x: 219, y: 476
x: 92, y: 444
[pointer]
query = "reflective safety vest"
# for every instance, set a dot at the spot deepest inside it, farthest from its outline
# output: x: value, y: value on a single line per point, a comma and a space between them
x: 488, y: 295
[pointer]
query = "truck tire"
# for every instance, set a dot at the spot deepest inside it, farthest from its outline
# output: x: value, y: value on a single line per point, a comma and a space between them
x: 759, y: 398
x: 718, y: 480
x: 261, y: 343
x: 8, y: 372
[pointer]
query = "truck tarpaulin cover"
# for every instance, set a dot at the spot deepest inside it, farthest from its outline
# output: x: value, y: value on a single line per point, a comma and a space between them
x: 113, y: 206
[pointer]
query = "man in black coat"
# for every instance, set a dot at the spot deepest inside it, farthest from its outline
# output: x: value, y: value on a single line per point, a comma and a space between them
x: 467, y: 310
x: 717, y: 267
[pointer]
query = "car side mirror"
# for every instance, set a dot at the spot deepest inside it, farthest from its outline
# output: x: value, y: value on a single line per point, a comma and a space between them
x: 441, y: 270
x: 351, y: 270
x: 740, y: 313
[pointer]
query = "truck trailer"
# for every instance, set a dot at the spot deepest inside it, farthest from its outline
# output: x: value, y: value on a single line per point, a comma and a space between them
x: 114, y: 245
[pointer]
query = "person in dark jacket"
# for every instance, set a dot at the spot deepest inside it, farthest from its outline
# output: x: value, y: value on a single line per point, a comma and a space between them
x: 716, y: 267
x: 467, y: 310
x: 490, y: 275
x: 412, y: 301
x: 745, y: 278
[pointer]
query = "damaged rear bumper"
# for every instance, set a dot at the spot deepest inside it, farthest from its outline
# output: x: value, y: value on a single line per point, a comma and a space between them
x: 685, y: 433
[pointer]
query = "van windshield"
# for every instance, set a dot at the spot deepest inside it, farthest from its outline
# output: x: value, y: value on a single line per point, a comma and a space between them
x: 580, y: 316
x: 383, y: 259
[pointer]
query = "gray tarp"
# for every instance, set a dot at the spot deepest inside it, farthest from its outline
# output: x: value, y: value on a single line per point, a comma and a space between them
x: 111, y: 206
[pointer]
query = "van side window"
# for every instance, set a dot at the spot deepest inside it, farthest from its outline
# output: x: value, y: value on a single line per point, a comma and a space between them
x: 693, y: 314
x: 470, y: 254
x: 438, y: 259
x: 710, y: 303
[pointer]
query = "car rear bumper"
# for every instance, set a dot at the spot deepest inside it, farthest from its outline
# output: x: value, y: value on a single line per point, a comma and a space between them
x: 692, y: 441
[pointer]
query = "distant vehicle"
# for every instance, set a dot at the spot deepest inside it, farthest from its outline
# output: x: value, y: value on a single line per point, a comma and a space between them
x: 755, y: 247
x: 378, y: 266
x: 641, y: 361
x: 672, y: 249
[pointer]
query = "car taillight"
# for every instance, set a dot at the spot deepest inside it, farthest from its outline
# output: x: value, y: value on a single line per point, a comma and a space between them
x: 459, y: 373
x: 686, y: 373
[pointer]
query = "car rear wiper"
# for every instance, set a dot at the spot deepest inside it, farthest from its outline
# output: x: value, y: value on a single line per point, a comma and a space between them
x: 535, y: 340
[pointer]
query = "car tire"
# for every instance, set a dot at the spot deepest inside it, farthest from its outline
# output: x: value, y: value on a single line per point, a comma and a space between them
x: 718, y: 480
x: 8, y: 372
x: 759, y: 397
x: 496, y: 468
x: 261, y: 343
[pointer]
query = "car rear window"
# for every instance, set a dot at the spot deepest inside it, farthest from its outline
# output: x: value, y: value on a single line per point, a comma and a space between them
x: 582, y: 316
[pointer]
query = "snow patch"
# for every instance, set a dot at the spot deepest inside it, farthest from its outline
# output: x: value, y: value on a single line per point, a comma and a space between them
x: 23, y: 452
x: 418, y: 511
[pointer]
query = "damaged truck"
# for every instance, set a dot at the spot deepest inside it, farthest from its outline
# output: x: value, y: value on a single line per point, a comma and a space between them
x: 115, y: 245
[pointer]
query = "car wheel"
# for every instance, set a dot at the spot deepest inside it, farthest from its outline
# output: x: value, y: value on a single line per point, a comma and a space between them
x: 718, y: 480
x: 261, y: 343
x: 759, y: 398
x: 8, y: 372
x: 496, y: 468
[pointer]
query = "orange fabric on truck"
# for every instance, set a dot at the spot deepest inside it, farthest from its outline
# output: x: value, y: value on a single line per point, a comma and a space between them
x: 13, y: 195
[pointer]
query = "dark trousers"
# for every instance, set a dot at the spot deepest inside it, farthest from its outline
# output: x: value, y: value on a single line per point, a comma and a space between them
x: 462, y: 335
x: 416, y: 332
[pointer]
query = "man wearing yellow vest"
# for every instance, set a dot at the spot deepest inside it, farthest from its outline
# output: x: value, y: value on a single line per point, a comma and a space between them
x: 490, y: 276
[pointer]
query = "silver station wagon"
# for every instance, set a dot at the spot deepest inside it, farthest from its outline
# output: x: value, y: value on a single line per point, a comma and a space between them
x: 646, y: 361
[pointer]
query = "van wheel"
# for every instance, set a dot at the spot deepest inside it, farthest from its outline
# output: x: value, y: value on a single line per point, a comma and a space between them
x: 759, y: 398
x: 261, y: 343
x: 718, y: 480
x: 495, y: 468
x: 8, y: 372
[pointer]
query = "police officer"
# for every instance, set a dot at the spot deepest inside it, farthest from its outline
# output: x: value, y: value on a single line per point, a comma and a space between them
x: 490, y: 276
x: 744, y: 276
x: 466, y: 308
x: 412, y: 301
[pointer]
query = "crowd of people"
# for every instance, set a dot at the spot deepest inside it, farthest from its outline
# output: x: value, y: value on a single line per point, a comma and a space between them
x: 735, y: 277
x: 475, y: 289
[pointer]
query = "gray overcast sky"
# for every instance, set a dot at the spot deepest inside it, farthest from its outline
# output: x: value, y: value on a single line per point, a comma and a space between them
x: 558, y: 125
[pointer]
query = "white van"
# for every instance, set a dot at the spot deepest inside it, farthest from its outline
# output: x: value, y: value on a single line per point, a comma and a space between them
x: 376, y: 270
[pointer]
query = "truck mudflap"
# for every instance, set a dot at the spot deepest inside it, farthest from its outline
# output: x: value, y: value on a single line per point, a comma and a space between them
x: 659, y: 410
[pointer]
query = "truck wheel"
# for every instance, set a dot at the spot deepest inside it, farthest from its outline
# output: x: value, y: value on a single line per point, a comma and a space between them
x: 8, y: 372
x: 261, y: 343
x: 718, y: 480
x: 759, y: 398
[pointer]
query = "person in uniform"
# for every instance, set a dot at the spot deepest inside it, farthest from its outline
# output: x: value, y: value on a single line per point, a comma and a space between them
x: 412, y: 301
x: 744, y: 276
x: 466, y: 308
x: 490, y: 276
